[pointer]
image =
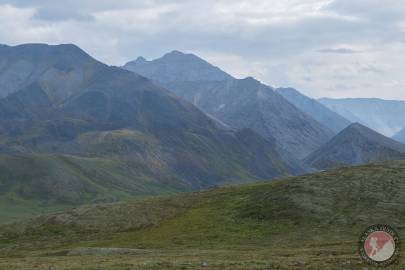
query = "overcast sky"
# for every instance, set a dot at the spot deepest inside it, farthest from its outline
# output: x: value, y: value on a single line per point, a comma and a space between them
x: 338, y: 48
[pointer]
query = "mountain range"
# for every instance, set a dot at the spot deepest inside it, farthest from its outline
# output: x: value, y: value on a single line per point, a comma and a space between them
x: 74, y: 130
x: 84, y: 146
x: 58, y: 101
x: 384, y: 116
x: 356, y: 144
x: 238, y: 103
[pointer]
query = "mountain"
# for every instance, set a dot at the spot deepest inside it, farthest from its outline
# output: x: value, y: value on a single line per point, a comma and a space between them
x: 356, y: 144
x: 313, y: 220
x: 400, y: 136
x: 385, y: 116
x: 315, y: 109
x: 64, y: 102
x: 62, y: 68
x: 239, y: 103
x: 38, y: 183
x: 188, y: 68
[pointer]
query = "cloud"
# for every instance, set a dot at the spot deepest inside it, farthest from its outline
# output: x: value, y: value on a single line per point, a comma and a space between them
x: 339, y: 50
x: 316, y: 46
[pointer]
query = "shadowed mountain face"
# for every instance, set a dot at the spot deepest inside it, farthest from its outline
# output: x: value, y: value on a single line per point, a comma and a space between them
x: 356, y: 144
x: 242, y: 103
x: 385, y: 116
x: 319, y: 112
x: 65, y: 102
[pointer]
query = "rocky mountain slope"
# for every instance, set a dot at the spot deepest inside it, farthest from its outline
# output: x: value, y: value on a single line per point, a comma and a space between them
x: 356, y: 144
x: 244, y: 103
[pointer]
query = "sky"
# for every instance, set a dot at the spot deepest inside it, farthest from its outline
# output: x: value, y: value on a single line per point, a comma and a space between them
x: 324, y: 48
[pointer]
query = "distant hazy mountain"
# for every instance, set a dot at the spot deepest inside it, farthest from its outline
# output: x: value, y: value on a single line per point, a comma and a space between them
x: 355, y: 145
x: 315, y: 109
x: 188, y: 68
x: 385, y: 116
x: 400, y: 136
x: 58, y: 100
x: 244, y: 103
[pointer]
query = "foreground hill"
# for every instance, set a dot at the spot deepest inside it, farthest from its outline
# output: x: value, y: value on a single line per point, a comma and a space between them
x: 59, y: 100
x: 308, y: 222
x: 318, y: 111
x: 385, y: 116
x: 245, y: 103
x: 356, y: 144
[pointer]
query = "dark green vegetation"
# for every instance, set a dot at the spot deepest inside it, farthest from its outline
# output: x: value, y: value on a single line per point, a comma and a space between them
x: 356, y: 144
x: 307, y: 222
x: 86, y: 132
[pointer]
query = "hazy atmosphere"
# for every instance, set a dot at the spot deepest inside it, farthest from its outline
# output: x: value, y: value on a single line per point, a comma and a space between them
x: 202, y: 135
x: 323, y: 48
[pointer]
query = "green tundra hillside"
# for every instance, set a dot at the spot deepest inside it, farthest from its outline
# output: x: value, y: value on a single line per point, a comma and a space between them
x: 308, y: 222
x: 34, y: 183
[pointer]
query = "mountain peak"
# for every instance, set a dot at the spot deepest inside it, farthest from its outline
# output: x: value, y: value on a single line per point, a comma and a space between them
x: 357, y: 132
x: 356, y: 144
x: 43, y: 62
x: 68, y: 47
x: 358, y: 126
x: 363, y: 131
x: 177, y: 66
x: 140, y: 59
x: 67, y: 53
x: 176, y: 53
x: 250, y: 78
